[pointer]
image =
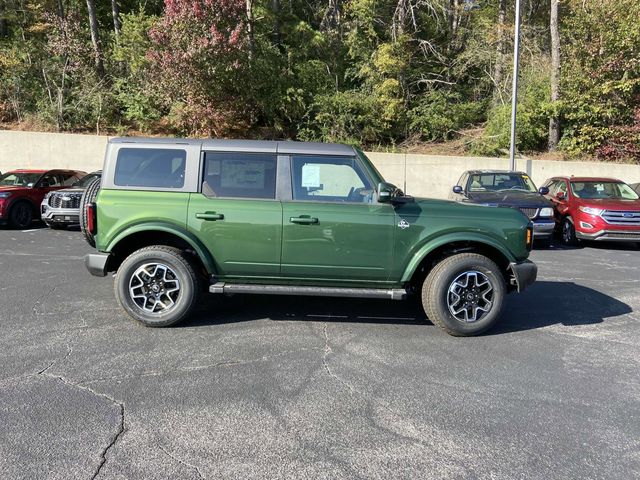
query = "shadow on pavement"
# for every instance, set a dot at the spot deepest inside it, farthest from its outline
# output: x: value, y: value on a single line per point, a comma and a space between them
x: 551, y: 303
x: 542, y: 305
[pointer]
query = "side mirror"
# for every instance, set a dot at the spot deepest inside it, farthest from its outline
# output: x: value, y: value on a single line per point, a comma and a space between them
x: 457, y: 189
x: 543, y: 191
x: 560, y: 196
x: 386, y: 192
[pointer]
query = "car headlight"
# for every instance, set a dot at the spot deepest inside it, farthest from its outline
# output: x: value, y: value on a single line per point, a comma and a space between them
x: 591, y: 210
x: 546, y: 212
x: 5, y: 194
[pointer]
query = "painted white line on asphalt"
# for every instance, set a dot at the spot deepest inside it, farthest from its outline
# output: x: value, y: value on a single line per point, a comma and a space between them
x: 32, y: 230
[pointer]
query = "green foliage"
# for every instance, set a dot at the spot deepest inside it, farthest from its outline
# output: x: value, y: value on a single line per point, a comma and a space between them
x: 137, y: 99
x: 351, y: 117
x: 440, y: 115
x: 380, y: 72
x: 532, y: 122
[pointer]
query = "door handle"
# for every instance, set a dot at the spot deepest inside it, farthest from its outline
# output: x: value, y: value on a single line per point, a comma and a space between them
x: 304, y: 220
x: 213, y: 216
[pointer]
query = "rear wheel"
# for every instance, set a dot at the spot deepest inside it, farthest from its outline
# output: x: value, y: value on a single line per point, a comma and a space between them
x: 157, y: 285
x: 464, y: 294
x: 21, y: 215
x: 88, y: 196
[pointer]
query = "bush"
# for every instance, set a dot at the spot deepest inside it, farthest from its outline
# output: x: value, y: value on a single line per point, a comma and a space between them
x: 352, y: 116
x: 438, y: 116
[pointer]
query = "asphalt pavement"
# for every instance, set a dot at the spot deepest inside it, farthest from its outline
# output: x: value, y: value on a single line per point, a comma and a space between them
x: 256, y: 387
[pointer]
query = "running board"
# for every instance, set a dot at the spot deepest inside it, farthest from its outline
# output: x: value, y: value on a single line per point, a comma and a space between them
x: 389, y: 293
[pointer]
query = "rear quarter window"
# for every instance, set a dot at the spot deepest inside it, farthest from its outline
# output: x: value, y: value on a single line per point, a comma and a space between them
x: 150, y: 167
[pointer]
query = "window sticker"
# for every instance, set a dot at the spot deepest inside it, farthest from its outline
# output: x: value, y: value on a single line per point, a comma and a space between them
x: 214, y: 167
x: 311, y: 176
x: 243, y: 174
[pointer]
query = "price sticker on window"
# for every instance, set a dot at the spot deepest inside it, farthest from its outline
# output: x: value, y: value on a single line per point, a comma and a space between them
x: 311, y: 176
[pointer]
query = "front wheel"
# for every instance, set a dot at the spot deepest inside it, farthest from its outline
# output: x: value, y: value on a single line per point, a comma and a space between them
x: 21, y: 215
x: 464, y: 294
x: 157, y: 285
x: 569, y: 233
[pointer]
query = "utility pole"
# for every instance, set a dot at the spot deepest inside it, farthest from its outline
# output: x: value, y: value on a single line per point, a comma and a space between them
x: 514, y: 89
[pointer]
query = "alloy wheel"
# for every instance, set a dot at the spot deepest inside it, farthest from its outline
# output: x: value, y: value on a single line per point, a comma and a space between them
x: 154, y: 288
x: 470, y: 296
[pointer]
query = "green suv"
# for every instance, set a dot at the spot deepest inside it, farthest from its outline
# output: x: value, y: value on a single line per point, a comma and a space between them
x: 174, y: 218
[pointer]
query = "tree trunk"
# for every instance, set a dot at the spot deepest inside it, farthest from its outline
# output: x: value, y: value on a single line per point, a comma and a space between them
x: 275, y: 7
x: 249, y: 12
x: 498, y: 74
x: 95, y: 37
x: 4, y: 28
x: 117, y: 24
x: 331, y: 19
x: 554, y: 121
x: 399, y: 20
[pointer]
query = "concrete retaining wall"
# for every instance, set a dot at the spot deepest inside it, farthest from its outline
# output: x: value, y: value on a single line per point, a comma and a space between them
x: 419, y: 175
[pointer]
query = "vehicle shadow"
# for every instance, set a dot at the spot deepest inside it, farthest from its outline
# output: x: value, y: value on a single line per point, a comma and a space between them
x: 542, y: 305
x: 557, y: 303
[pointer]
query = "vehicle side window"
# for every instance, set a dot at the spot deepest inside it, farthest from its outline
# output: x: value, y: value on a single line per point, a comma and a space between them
x: 552, y: 186
x: 50, y: 180
x: 330, y: 179
x: 150, y: 167
x: 562, y: 187
x: 239, y: 175
x: 68, y: 179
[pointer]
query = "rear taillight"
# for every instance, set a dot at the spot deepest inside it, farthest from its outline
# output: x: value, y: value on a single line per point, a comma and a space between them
x: 92, y: 224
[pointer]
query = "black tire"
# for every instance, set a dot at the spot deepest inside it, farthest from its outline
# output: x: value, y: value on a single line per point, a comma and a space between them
x: 21, y: 215
x: 180, y: 268
x: 88, y: 196
x: 568, y: 233
x: 437, y: 298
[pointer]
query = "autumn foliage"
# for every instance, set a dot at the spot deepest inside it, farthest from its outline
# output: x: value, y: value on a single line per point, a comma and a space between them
x: 197, y: 61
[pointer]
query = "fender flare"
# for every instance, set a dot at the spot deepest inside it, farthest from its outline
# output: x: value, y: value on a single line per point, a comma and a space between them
x: 432, y: 244
x: 191, y: 239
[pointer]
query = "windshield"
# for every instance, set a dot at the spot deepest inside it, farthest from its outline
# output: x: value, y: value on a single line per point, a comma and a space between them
x: 613, y: 190
x: 86, y: 180
x: 19, y: 179
x: 495, y: 182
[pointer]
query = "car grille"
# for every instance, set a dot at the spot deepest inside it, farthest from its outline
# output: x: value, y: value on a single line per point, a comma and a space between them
x: 621, y: 236
x: 530, y: 212
x: 65, y: 200
x: 621, y: 217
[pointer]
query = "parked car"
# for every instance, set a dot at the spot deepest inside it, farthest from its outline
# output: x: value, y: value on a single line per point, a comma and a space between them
x: 22, y: 191
x: 295, y: 219
x: 588, y: 208
x: 61, y: 208
x: 636, y: 187
x: 504, y: 188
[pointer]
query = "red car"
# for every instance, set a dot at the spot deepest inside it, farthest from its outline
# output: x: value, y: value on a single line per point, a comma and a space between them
x: 22, y: 191
x: 589, y: 208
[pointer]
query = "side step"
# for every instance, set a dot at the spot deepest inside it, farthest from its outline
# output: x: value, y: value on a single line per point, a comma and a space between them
x: 389, y: 293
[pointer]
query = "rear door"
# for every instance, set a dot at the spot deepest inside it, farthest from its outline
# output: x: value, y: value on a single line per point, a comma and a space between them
x: 333, y: 227
x: 236, y: 213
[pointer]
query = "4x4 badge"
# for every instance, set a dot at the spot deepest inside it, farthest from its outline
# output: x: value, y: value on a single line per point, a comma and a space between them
x: 403, y: 224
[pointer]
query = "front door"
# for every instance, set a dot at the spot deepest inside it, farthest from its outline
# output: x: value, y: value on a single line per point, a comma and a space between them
x: 237, y: 215
x: 333, y: 227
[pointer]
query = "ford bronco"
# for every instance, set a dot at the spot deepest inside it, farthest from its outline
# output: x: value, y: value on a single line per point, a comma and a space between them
x: 176, y: 217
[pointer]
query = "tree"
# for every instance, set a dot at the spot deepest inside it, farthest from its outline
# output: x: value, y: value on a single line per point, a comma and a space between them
x: 500, y: 51
x: 198, y: 61
x: 554, y: 121
x: 115, y: 11
x: 95, y: 38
